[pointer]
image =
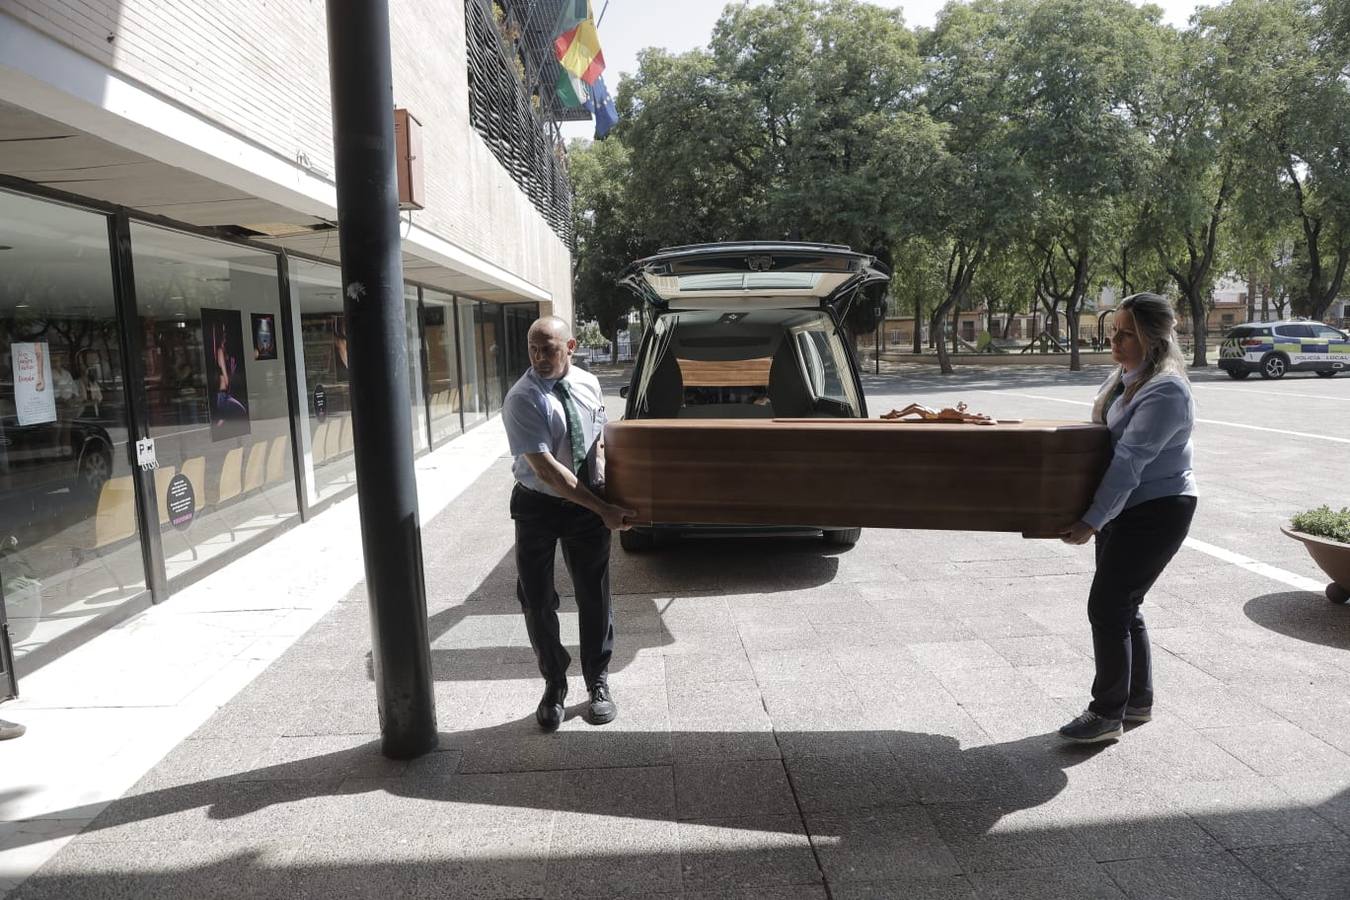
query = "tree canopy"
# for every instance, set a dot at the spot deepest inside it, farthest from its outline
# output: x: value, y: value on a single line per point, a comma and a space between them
x: 1018, y: 153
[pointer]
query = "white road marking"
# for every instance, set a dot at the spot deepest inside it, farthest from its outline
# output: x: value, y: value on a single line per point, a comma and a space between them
x: 1043, y: 397
x: 1303, y: 434
x: 1215, y: 387
x: 1274, y: 573
x: 1265, y: 570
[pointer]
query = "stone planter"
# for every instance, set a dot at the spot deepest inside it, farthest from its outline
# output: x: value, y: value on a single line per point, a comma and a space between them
x: 1332, y: 557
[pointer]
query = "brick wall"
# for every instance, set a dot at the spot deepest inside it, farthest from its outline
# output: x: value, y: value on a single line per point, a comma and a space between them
x: 259, y: 68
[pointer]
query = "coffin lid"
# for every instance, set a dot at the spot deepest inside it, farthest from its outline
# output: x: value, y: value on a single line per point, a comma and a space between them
x: 751, y: 275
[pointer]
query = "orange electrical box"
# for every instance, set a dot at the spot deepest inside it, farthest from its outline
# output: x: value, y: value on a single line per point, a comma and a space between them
x: 408, y: 161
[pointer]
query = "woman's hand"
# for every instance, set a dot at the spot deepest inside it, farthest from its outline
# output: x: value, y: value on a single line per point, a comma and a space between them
x: 1079, y: 533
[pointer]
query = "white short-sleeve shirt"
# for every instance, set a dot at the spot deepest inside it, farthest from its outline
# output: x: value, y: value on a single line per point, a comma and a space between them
x: 537, y: 423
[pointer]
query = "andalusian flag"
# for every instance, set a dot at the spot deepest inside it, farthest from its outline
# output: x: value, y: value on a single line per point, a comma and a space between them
x: 571, y: 90
x: 576, y: 42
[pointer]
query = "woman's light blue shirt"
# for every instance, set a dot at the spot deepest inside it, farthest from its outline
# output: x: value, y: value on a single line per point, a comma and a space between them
x: 1151, y: 448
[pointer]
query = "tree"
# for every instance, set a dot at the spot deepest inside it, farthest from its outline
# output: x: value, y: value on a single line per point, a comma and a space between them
x: 607, y: 239
x: 589, y: 334
x: 853, y: 168
x: 1202, y: 134
x: 734, y: 142
x: 917, y: 283
x: 1005, y: 285
x: 1287, y: 57
x: 1133, y: 263
x: 1019, y: 151
x: 979, y: 194
x: 1082, y: 79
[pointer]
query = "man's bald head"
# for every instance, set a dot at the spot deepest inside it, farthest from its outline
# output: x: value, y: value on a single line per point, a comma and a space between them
x: 550, y: 344
x: 552, y: 326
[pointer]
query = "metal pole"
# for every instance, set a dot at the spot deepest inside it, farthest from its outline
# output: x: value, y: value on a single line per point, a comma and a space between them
x: 372, y: 278
x: 876, y: 347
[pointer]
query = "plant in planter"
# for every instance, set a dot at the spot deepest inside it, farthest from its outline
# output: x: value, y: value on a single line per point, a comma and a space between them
x: 1326, y: 534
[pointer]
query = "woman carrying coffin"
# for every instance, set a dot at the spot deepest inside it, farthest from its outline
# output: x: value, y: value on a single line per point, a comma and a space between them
x: 1141, y: 512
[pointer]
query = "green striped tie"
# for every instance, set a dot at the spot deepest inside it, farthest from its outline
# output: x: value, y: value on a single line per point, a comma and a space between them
x: 574, y: 433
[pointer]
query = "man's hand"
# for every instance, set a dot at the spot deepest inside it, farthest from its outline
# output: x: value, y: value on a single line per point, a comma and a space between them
x: 617, y: 518
x: 1079, y: 533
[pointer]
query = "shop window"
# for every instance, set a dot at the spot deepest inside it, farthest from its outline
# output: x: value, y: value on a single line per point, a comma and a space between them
x: 216, y: 386
x: 492, y: 350
x: 324, y: 379
x: 442, y: 365
x: 470, y: 362
x: 70, y: 549
x: 416, y: 399
x: 519, y: 318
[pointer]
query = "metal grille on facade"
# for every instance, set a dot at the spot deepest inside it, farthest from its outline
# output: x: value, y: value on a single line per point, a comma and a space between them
x: 519, y: 118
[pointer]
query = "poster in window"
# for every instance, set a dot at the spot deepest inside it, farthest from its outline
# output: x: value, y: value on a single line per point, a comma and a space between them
x: 264, y: 336
x: 226, y: 379
x: 34, y: 389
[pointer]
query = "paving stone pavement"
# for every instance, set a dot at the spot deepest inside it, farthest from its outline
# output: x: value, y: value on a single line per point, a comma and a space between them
x: 796, y: 721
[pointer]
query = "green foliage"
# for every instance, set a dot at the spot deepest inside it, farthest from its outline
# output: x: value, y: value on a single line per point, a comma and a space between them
x: 1322, y: 522
x: 740, y: 142
x: 588, y: 334
x: 1283, y: 62
x: 607, y: 237
x: 1018, y: 152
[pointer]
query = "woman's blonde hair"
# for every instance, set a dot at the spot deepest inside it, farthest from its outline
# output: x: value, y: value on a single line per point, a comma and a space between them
x: 1156, y: 325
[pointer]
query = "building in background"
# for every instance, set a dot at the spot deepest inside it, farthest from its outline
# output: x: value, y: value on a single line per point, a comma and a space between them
x: 173, y: 354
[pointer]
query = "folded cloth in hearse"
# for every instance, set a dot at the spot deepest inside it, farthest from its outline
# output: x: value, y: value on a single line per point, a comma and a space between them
x: 1033, y: 477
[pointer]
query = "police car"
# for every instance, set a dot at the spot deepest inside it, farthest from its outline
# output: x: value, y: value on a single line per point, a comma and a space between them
x: 1274, y: 348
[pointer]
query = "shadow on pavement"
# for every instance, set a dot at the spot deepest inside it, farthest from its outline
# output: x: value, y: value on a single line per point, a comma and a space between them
x: 352, y: 824
x: 728, y: 566
x: 1304, y: 616
x: 931, y: 767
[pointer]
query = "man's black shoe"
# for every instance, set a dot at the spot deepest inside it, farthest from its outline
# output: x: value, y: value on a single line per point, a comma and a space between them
x: 603, y: 708
x: 550, y: 711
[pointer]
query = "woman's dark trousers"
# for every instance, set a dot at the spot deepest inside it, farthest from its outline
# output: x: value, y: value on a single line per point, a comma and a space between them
x: 1132, y: 551
x: 543, y: 520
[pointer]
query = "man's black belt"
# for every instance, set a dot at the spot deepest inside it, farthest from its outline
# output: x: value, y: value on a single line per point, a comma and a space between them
x: 540, y: 495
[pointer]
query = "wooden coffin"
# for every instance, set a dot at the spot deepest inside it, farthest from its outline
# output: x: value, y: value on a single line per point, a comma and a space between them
x: 1032, y: 477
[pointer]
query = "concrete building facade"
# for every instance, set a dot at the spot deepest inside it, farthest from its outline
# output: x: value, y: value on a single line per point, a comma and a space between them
x: 173, y: 367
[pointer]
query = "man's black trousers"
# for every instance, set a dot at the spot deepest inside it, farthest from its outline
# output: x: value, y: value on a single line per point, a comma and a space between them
x: 1132, y: 551
x: 542, y: 521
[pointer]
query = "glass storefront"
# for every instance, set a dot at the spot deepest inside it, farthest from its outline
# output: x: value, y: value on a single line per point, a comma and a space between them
x: 438, y: 311
x: 70, y: 547
x: 518, y: 319
x: 324, y: 381
x: 210, y: 362
x: 471, y: 362
x: 492, y: 341
x: 215, y: 381
x: 416, y: 399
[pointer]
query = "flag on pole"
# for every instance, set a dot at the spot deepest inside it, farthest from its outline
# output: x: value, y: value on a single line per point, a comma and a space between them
x: 601, y: 105
x: 572, y: 14
x: 576, y: 43
x: 571, y: 90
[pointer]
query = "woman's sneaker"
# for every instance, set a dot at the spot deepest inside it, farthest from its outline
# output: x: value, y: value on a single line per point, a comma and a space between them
x: 1139, y: 714
x: 1089, y: 728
